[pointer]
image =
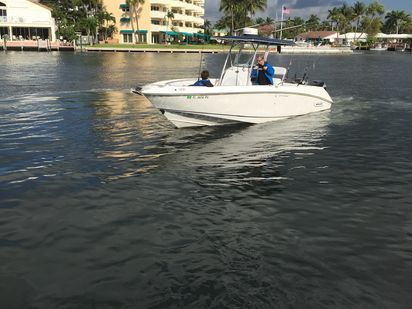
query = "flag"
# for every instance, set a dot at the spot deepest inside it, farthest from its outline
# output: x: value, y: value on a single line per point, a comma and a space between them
x: 285, y: 10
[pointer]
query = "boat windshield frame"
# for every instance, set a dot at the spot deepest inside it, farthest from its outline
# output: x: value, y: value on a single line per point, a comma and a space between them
x: 250, y: 63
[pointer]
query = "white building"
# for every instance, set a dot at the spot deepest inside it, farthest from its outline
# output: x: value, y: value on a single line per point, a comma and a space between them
x: 188, y: 18
x: 26, y: 20
x: 155, y: 21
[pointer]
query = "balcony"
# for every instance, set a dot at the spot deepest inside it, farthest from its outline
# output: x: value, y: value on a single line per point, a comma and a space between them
x: 158, y: 14
x: 159, y: 28
x: 162, y: 2
x: 26, y: 21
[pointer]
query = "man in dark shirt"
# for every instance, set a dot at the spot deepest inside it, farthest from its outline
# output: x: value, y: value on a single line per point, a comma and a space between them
x: 263, y: 72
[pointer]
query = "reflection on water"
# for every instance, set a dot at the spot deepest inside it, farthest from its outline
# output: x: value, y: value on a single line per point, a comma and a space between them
x: 103, y: 204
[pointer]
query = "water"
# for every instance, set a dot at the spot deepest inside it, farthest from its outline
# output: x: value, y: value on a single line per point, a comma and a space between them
x: 105, y: 205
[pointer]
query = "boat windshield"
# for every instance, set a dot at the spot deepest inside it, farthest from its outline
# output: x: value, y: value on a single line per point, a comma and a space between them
x: 244, y: 58
x: 241, y: 55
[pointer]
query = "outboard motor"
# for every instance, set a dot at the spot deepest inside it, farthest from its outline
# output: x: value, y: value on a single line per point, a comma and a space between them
x: 137, y: 90
x: 317, y: 83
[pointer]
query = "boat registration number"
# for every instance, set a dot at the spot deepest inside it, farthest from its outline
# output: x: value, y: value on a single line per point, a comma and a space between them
x: 197, y: 97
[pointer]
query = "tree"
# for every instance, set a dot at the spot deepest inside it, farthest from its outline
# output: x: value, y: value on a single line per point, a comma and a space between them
x: 251, y: 7
x: 395, y: 19
x: 104, y: 18
x: 76, y: 16
x: 229, y: 7
x: 359, y: 10
x: 269, y: 20
x: 169, y: 19
x: 333, y: 16
x: 134, y: 11
x: 206, y: 26
x: 324, y: 26
x: 346, y: 17
x: 259, y: 21
x: 312, y: 24
x: 371, y: 22
x: 89, y: 24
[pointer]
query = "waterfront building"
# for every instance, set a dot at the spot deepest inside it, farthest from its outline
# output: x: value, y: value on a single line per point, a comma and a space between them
x: 158, y: 21
x: 26, y: 20
x: 317, y: 37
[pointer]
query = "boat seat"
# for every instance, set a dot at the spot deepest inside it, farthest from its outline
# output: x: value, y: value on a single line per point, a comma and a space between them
x: 280, y: 72
x: 236, y: 76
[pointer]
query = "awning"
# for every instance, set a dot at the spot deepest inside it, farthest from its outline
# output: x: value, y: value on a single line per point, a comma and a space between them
x: 124, y: 6
x: 126, y: 31
x: 202, y: 35
x: 141, y: 31
x: 170, y: 33
x: 124, y: 19
x: 186, y: 34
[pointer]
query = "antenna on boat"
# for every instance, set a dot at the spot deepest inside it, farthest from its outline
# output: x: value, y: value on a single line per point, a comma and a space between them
x: 200, y: 66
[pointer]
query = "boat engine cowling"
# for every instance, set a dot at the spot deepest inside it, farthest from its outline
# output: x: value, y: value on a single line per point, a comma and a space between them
x: 317, y: 83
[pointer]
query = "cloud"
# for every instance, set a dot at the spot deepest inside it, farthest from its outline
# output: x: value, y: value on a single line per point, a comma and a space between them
x: 301, y: 8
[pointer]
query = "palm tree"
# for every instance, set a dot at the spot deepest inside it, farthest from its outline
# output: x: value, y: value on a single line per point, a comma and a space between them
x: 269, y: 20
x: 104, y: 18
x: 89, y: 24
x: 347, y: 17
x: 251, y: 7
x: 134, y: 15
x: 313, y: 23
x: 358, y: 9
x: 169, y: 18
x: 206, y: 26
x: 395, y: 19
x: 371, y: 23
x: 333, y: 15
x: 229, y: 7
x: 259, y: 21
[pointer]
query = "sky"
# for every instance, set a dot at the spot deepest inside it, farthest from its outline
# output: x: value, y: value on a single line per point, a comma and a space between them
x: 303, y: 8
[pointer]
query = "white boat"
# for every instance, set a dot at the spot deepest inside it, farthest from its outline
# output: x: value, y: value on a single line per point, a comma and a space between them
x: 234, y: 98
x: 378, y: 47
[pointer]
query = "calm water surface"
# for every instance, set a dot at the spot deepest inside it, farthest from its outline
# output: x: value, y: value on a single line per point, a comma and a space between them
x: 103, y: 204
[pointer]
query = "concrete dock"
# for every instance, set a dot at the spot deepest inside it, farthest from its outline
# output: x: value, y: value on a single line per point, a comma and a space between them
x: 285, y: 50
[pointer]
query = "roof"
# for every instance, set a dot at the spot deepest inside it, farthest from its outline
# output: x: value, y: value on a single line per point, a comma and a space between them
x: 254, y: 39
x: 394, y: 36
x: 316, y: 34
x: 39, y: 4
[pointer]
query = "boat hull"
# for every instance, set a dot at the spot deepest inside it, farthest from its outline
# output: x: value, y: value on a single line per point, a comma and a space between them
x: 202, y: 106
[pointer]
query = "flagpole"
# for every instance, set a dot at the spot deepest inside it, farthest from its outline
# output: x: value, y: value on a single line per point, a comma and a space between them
x: 281, y: 23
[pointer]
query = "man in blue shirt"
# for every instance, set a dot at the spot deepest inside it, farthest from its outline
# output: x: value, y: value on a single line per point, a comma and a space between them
x: 263, y: 72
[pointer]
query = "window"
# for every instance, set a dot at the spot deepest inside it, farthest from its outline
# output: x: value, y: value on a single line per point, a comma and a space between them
x: 3, y: 12
x: 155, y: 39
x: 127, y: 38
x: 155, y: 8
x: 155, y: 22
x: 142, y: 38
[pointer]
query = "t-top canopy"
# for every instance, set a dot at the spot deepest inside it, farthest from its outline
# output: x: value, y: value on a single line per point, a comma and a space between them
x: 253, y: 39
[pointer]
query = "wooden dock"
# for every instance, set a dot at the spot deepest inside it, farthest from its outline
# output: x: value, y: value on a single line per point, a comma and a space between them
x: 31, y: 45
